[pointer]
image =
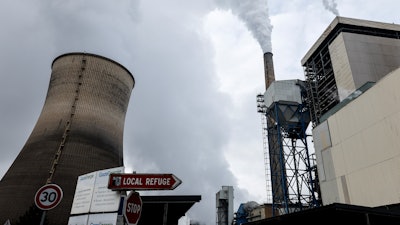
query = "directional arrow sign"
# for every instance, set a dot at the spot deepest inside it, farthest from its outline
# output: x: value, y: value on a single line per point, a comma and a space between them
x: 143, y: 181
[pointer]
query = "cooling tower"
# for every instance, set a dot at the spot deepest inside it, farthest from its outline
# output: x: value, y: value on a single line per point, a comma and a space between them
x: 79, y: 130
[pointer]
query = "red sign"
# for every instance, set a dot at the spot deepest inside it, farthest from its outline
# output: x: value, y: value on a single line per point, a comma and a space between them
x: 144, y: 181
x: 48, y: 196
x: 133, y: 208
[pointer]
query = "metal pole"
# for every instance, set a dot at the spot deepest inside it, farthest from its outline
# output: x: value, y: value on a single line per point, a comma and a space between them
x: 43, y: 216
x: 165, y: 217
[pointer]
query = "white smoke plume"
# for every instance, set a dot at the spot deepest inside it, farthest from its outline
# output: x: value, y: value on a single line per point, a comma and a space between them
x: 331, y: 5
x: 254, y: 13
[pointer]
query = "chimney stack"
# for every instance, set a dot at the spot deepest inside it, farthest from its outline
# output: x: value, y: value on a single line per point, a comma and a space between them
x: 268, y: 69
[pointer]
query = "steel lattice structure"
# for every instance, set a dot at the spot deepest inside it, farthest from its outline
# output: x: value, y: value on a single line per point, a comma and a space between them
x: 292, y: 171
x: 293, y: 174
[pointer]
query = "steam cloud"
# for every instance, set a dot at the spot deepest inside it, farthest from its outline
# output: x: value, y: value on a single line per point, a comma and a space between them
x: 254, y: 13
x: 331, y: 5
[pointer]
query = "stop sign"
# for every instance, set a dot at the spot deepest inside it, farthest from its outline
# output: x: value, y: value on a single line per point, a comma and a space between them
x: 133, y: 208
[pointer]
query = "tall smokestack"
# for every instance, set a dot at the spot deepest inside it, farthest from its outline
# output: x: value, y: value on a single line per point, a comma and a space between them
x: 79, y: 130
x: 268, y: 69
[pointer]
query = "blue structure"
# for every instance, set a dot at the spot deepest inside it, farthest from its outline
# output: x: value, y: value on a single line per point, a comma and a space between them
x: 243, y: 212
x: 241, y: 215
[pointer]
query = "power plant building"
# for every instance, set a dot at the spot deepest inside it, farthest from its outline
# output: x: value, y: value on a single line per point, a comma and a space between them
x: 353, y: 78
x: 348, y: 54
x: 357, y: 148
x: 79, y: 130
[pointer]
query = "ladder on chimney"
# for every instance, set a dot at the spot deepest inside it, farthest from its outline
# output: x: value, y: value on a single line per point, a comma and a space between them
x: 64, y: 137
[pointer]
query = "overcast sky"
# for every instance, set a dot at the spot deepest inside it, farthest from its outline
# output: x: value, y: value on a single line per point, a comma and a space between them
x: 198, y: 68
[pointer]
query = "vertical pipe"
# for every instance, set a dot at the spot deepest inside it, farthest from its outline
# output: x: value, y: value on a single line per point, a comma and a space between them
x: 268, y: 69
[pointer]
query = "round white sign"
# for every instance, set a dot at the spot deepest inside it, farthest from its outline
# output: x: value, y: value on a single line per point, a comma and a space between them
x: 48, y: 196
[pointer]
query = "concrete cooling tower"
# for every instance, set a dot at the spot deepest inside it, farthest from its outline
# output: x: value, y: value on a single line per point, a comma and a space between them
x: 79, y: 130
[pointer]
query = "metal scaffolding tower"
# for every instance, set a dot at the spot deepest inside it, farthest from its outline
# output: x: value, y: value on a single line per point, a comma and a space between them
x: 262, y: 110
x: 293, y: 174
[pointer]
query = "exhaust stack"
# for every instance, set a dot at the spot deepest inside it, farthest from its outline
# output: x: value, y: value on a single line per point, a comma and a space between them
x: 268, y: 69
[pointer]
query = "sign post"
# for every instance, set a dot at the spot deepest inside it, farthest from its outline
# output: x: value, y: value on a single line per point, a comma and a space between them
x: 48, y: 197
x: 133, y: 208
x: 143, y: 181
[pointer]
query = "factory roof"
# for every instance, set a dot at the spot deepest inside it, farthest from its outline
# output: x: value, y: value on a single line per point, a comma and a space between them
x: 344, y: 24
x: 337, y: 213
x: 170, y: 207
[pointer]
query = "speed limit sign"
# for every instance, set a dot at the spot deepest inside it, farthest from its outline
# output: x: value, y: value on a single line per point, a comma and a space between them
x: 48, y: 196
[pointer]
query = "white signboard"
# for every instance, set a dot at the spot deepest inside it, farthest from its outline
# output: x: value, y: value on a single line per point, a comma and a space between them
x: 92, y: 194
x: 78, y: 220
x: 83, y: 193
x: 103, y: 219
x: 104, y: 199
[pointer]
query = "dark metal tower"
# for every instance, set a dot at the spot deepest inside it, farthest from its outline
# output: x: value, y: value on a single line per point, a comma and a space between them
x: 79, y: 130
x: 292, y: 171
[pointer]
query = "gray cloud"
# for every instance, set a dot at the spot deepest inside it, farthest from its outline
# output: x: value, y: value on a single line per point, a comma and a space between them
x: 178, y: 119
x: 176, y: 122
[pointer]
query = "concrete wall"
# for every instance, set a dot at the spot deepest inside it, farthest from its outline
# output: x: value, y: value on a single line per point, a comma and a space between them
x: 357, y: 59
x: 358, y: 148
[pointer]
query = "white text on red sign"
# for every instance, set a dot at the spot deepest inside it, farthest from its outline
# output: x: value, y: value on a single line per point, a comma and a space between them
x: 143, y: 182
x: 149, y: 181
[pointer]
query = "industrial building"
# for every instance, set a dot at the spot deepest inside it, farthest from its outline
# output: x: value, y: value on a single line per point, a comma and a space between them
x: 351, y: 96
x: 356, y: 140
x: 350, y: 53
x: 224, y: 204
